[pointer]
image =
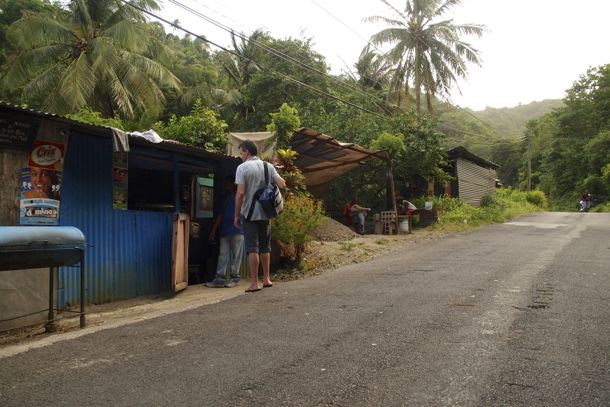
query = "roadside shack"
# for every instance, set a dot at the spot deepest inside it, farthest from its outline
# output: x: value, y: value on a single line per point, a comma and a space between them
x: 145, y: 206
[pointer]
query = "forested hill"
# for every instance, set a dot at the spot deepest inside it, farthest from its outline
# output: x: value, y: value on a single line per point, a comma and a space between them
x: 510, y: 121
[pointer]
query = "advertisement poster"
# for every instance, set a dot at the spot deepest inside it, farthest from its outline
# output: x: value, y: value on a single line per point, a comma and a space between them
x: 205, y: 198
x: 41, y: 184
x: 120, y: 176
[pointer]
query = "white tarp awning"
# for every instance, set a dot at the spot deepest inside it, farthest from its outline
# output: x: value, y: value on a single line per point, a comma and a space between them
x: 321, y: 157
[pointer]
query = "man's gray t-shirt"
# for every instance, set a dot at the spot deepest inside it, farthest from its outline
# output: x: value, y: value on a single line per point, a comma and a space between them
x: 251, y: 173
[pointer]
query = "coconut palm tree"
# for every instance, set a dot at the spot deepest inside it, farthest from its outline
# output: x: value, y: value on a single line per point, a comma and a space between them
x: 427, y: 51
x: 102, y: 58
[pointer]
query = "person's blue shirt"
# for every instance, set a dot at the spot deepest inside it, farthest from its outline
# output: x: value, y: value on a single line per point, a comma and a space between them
x: 227, y: 228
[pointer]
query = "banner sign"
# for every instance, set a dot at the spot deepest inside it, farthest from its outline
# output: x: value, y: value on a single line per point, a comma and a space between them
x: 41, y: 184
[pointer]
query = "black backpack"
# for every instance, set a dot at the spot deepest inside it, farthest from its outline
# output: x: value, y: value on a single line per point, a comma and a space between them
x: 269, y: 198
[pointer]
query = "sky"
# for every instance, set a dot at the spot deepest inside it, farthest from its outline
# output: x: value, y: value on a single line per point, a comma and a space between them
x: 532, y: 49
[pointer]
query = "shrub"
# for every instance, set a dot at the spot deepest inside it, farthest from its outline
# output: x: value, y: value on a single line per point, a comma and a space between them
x: 507, y: 204
x: 202, y: 128
x: 294, y: 226
x: 537, y: 198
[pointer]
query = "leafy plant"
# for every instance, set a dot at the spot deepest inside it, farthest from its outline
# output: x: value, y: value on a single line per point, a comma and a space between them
x: 294, y: 226
x: 86, y: 115
x: 202, y: 128
x: 283, y: 124
x: 295, y: 181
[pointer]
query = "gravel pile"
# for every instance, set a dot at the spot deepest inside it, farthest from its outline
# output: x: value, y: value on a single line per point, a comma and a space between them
x: 332, y: 231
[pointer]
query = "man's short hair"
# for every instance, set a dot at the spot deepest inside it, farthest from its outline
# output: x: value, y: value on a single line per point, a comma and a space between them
x: 248, y: 145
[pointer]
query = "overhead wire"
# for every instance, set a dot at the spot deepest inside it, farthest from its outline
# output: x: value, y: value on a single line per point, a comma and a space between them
x: 177, y: 26
x: 286, y: 58
x: 273, y: 51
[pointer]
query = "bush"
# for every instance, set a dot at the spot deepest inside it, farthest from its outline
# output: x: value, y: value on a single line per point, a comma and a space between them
x: 294, y: 226
x: 537, y: 198
x: 507, y: 204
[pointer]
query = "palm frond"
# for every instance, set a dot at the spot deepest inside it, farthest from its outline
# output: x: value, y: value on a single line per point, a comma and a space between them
x: 29, y: 63
x: 77, y: 83
x: 43, y: 86
x: 127, y: 35
x: 34, y: 30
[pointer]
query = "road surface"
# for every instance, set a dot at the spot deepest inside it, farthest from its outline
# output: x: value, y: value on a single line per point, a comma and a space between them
x: 514, y: 314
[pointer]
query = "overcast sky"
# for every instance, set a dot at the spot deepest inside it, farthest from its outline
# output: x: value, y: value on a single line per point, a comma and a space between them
x: 533, y: 50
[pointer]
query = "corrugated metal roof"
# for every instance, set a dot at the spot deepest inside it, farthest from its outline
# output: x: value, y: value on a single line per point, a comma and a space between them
x: 321, y: 158
x: 105, y: 131
x: 462, y: 152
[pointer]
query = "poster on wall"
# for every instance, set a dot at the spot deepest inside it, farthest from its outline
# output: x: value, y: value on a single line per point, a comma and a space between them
x: 205, y: 198
x: 120, y: 175
x: 41, y: 184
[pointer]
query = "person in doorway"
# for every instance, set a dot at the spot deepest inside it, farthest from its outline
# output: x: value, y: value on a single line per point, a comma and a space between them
x: 358, y: 215
x: 231, y: 241
x: 250, y: 177
x: 45, y: 183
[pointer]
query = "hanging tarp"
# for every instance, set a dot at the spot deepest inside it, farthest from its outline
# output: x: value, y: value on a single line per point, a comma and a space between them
x: 321, y: 158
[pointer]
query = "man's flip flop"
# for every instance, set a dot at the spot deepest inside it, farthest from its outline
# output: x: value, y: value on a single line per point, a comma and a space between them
x: 251, y: 290
x: 267, y: 285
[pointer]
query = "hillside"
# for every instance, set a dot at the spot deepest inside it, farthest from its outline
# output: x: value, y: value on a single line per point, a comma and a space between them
x: 510, y: 121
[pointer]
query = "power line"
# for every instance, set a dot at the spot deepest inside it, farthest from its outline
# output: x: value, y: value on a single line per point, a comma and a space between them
x: 277, y: 53
x: 272, y: 50
x: 149, y: 13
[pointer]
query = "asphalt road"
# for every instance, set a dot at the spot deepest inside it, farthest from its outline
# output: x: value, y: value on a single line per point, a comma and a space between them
x: 508, y: 315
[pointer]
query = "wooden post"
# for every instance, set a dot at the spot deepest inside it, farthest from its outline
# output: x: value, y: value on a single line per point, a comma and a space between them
x: 49, y: 326
x: 393, y: 192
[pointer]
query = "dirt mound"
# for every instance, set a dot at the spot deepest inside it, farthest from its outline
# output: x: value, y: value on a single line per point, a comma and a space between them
x: 332, y: 231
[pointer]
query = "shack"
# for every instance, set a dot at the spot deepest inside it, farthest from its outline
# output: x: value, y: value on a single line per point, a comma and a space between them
x: 145, y: 206
x: 474, y: 177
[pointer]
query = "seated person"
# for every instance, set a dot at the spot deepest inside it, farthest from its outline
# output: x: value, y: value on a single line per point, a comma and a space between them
x: 405, y: 207
x: 358, y: 214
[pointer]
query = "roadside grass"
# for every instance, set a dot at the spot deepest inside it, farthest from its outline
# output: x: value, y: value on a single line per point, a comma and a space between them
x: 456, y: 215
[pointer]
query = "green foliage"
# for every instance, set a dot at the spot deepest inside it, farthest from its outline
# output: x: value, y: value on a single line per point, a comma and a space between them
x: 571, y: 146
x: 508, y: 204
x: 295, y: 181
x: 394, y: 143
x: 105, y: 57
x: 294, y: 226
x: 283, y: 123
x: 537, y: 198
x: 510, y: 121
x: 202, y: 128
x: 87, y: 115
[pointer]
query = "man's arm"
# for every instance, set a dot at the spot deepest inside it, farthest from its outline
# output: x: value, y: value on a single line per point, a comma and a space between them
x: 280, y: 182
x: 239, y: 200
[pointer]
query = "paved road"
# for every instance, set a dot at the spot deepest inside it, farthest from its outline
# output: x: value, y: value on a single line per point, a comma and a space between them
x: 515, y: 314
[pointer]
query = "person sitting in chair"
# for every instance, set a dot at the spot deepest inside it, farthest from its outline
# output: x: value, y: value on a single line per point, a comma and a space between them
x: 358, y: 214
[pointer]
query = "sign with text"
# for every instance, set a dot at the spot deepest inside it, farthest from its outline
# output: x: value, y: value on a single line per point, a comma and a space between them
x: 17, y: 131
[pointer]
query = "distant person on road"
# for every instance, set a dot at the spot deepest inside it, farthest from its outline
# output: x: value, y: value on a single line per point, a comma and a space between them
x: 250, y: 177
x: 231, y: 241
x: 585, y: 202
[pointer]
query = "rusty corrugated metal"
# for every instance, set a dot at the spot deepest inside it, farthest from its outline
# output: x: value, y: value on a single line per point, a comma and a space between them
x: 130, y: 252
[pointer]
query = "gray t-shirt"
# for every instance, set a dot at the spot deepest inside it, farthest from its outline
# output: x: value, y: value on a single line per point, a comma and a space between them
x: 251, y: 173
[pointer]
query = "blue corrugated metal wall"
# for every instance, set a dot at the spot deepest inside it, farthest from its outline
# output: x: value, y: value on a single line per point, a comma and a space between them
x: 131, y: 250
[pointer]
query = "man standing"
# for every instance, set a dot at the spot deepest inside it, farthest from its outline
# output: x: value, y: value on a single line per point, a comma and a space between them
x: 250, y: 177
x: 231, y: 241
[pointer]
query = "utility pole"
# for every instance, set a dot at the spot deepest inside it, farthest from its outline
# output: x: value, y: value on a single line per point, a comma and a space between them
x: 529, y: 159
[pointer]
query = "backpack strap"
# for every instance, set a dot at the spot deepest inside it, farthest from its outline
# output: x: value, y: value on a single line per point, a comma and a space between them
x: 258, y: 193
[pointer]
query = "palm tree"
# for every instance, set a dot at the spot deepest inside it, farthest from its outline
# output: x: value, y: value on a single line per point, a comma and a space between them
x: 427, y: 52
x: 104, y: 58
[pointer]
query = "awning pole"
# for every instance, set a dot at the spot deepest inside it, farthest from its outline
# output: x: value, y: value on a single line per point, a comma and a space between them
x: 393, y: 192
